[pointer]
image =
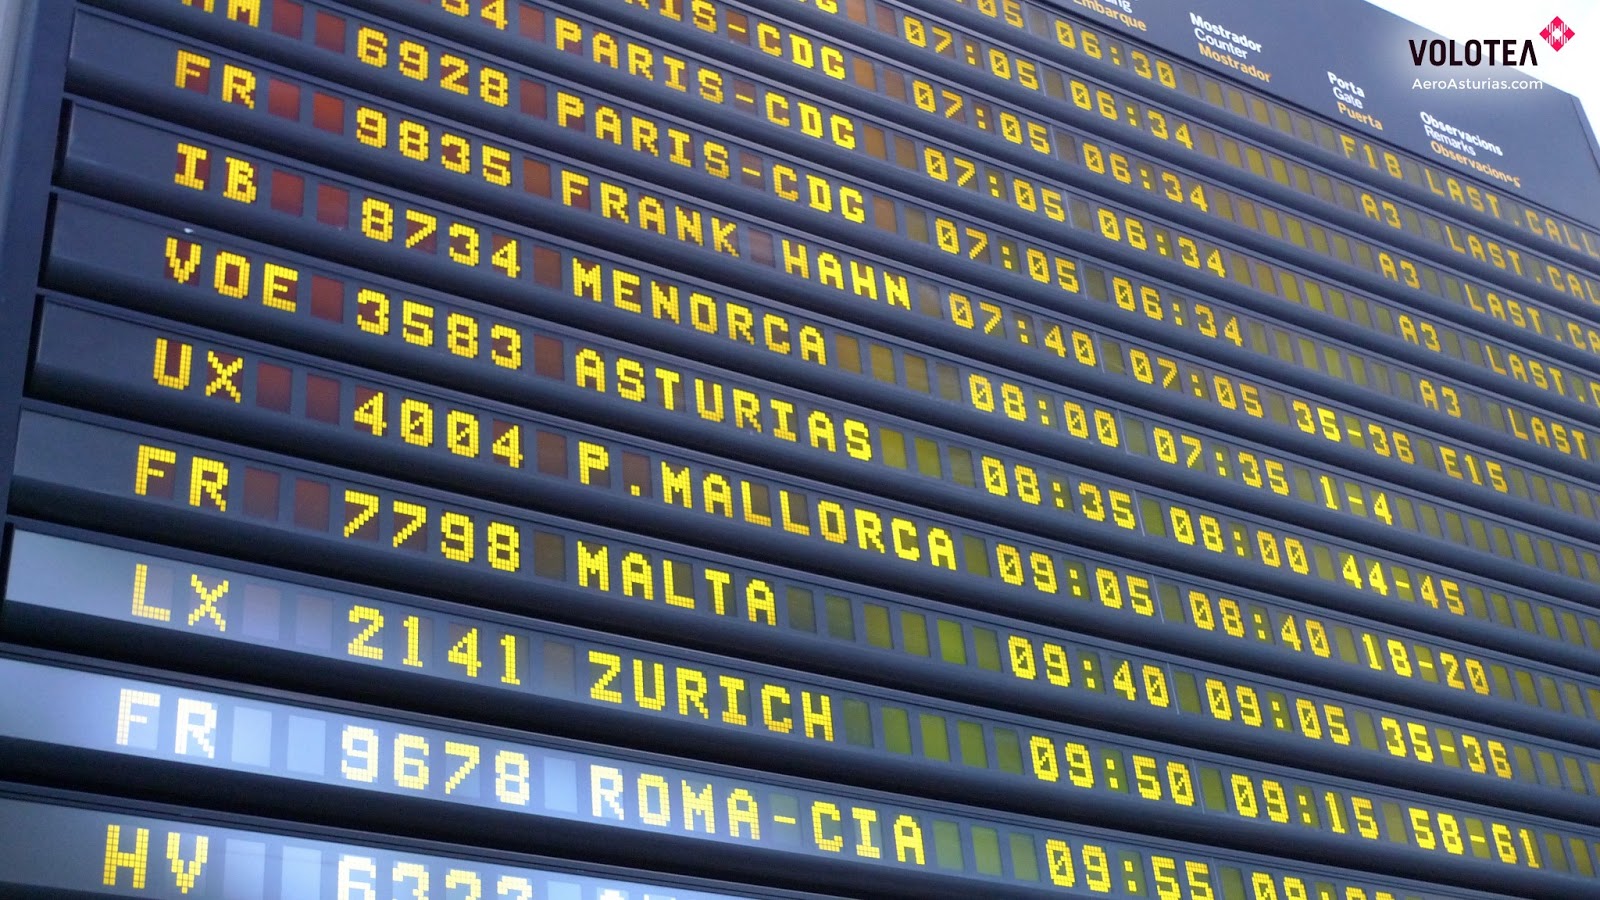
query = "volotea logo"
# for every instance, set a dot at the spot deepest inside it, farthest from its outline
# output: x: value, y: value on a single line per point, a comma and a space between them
x: 1557, y: 34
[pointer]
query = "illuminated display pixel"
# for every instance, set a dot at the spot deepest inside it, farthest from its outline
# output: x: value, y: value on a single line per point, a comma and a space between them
x: 772, y: 450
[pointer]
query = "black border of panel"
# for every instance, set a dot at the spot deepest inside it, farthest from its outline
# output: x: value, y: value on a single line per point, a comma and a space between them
x: 1588, y: 128
x: 27, y: 158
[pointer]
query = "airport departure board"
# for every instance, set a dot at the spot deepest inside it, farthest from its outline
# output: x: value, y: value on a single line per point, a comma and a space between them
x: 782, y: 449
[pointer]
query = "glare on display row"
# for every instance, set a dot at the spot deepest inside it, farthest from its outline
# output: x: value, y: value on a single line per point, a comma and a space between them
x: 841, y: 726
x: 358, y: 529
x: 355, y: 420
x: 530, y: 784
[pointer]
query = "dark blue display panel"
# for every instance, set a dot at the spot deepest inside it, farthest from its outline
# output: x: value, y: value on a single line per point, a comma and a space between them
x: 498, y: 448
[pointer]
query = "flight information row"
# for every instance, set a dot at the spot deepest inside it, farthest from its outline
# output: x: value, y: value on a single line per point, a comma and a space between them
x: 1556, y: 439
x: 337, y: 209
x: 121, y: 720
x: 99, y: 845
x: 452, y: 544
x: 128, y: 366
x: 945, y: 172
x: 828, y: 726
